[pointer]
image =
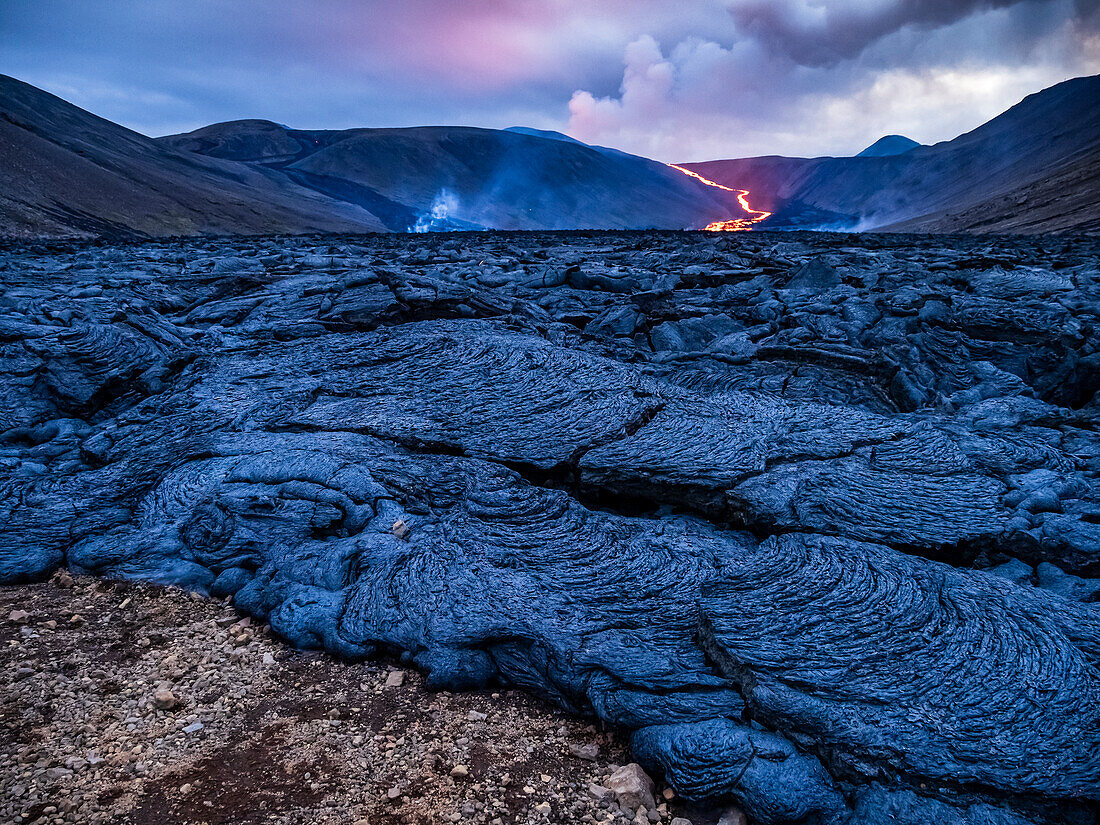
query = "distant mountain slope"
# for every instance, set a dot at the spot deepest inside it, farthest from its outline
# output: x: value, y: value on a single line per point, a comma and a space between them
x: 66, y: 172
x: 887, y: 146
x: 549, y: 134
x: 470, y: 177
x: 1064, y: 200
x: 1036, y: 140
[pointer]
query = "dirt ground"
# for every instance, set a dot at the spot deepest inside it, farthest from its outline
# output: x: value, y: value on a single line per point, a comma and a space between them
x: 123, y: 702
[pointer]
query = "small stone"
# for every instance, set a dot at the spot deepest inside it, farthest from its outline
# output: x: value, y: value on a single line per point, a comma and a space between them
x: 460, y: 772
x: 589, y: 752
x: 19, y: 616
x: 733, y: 816
x: 680, y: 821
x: 194, y: 727
x: 76, y: 620
x: 164, y: 699
x: 400, y: 529
x: 185, y: 788
x: 63, y: 579
x: 543, y: 808
x: 269, y: 659
x: 477, y: 716
x: 599, y: 792
x: 396, y: 678
x: 393, y: 793
x: 668, y: 794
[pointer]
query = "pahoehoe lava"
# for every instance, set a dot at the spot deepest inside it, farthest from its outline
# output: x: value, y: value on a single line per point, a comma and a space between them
x: 815, y: 517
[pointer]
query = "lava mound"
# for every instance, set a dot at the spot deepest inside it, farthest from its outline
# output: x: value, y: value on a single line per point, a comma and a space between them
x: 816, y: 518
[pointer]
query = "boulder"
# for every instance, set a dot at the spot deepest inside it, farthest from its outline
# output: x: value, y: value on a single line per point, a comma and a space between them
x: 632, y: 787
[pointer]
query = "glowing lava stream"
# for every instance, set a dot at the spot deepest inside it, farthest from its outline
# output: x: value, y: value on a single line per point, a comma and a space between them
x: 737, y: 224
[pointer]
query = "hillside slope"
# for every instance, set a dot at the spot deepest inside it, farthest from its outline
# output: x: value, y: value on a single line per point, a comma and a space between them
x: 470, y: 177
x: 889, y: 145
x: 1063, y: 201
x: 930, y: 187
x: 66, y: 172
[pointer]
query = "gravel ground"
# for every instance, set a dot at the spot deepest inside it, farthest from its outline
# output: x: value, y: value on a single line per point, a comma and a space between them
x: 123, y: 702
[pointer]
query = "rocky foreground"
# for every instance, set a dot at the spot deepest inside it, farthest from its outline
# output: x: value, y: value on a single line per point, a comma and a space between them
x: 814, y: 520
x: 135, y: 703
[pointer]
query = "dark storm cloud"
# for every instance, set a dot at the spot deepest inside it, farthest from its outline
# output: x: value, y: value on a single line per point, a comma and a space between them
x: 685, y: 80
x: 820, y: 35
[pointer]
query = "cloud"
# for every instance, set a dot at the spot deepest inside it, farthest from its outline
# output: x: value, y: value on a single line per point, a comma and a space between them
x: 822, y: 34
x: 788, y: 82
x: 646, y: 89
x: 324, y: 64
x: 678, y: 81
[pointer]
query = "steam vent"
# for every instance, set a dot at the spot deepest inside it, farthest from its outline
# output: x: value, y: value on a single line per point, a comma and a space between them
x: 810, y: 519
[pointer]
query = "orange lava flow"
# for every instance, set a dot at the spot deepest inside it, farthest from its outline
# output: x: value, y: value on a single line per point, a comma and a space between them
x: 737, y: 224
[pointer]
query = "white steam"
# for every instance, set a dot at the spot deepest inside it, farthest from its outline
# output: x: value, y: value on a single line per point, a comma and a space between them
x: 437, y: 218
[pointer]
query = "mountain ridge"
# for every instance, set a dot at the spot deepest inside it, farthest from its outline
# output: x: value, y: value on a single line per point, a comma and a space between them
x: 504, y: 179
x: 65, y: 172
x: 888, y: 145
x: 939, y: 187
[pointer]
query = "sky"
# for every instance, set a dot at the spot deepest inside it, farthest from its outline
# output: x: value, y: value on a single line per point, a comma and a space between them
x: 676, y: 80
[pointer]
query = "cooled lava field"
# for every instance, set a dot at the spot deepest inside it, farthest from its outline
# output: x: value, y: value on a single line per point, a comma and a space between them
x: 814, y: 519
